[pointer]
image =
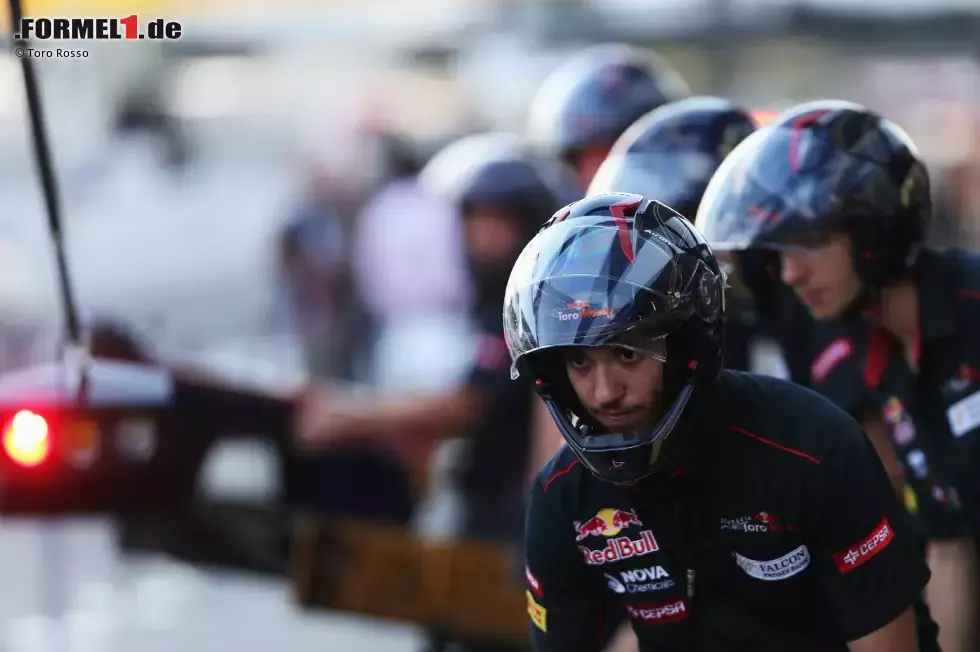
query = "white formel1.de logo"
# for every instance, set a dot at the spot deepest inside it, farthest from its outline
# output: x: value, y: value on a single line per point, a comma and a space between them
x: 131, y: 27
x: 858, y: 554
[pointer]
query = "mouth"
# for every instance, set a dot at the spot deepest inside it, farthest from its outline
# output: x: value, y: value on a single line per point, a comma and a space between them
x: 619, y: 419
x: 812, y: 297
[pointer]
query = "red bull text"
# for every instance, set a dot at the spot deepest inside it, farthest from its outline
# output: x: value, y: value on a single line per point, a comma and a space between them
x: 620, y: 548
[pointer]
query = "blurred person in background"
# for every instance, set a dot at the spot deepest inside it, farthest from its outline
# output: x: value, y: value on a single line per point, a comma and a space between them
x: 316, y: 268
x: 585, y: 104
x: 410, y: 274
x: 495, y: 188
x: 957, y: 220
x: 943, y: 230
x: 832, y: 203
x: 503, y: 199
x: 143, y: 109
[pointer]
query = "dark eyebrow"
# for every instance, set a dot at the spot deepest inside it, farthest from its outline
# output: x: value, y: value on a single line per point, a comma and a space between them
x: 569, y: 351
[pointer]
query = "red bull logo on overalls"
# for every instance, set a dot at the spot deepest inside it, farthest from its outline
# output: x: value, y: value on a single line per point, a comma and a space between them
x: 610, y: 523
x: 607, y: 522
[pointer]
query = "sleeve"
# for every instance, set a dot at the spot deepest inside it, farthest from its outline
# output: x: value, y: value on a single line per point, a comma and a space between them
x: 567, y: 613
x: 868, y: 556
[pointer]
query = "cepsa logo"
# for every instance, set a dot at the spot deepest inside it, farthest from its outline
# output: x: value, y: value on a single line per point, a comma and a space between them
x: 130, y: 28
x: 662, y: 612
x: 582, y: 310
x: 858, y: 554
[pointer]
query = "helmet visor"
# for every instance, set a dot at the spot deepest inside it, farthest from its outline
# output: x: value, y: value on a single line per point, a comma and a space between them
x: 675, y: 178
x: 587, y: 285
x: 788, y: 188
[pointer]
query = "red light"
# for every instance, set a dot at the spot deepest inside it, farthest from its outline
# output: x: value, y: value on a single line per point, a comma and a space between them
x: 25, y: 438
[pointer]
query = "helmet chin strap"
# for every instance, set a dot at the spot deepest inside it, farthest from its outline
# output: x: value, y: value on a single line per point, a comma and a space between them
x: 666, y: 424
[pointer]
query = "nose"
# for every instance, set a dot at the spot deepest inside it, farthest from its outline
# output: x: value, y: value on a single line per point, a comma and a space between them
x: 794, y: 269
x: 607, y: 388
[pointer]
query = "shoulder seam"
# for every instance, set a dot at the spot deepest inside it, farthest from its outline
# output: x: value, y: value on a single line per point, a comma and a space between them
x: 558, y: 474
x: 778, y: 446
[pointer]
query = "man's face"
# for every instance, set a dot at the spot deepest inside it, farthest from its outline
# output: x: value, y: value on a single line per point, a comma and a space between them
x: 492, y: 236
x: 587, y: 161
x: 620, y: 387
x: 822, y: 275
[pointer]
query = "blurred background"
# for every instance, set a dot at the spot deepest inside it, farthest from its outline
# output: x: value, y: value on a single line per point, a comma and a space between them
x: 224, y: 197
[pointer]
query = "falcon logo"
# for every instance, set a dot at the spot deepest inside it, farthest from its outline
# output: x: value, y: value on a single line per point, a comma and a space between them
x: 785, y: 567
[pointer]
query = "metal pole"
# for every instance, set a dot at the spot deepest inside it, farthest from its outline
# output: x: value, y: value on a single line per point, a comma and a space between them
x: 54, y: 584
x: 45, y: 169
